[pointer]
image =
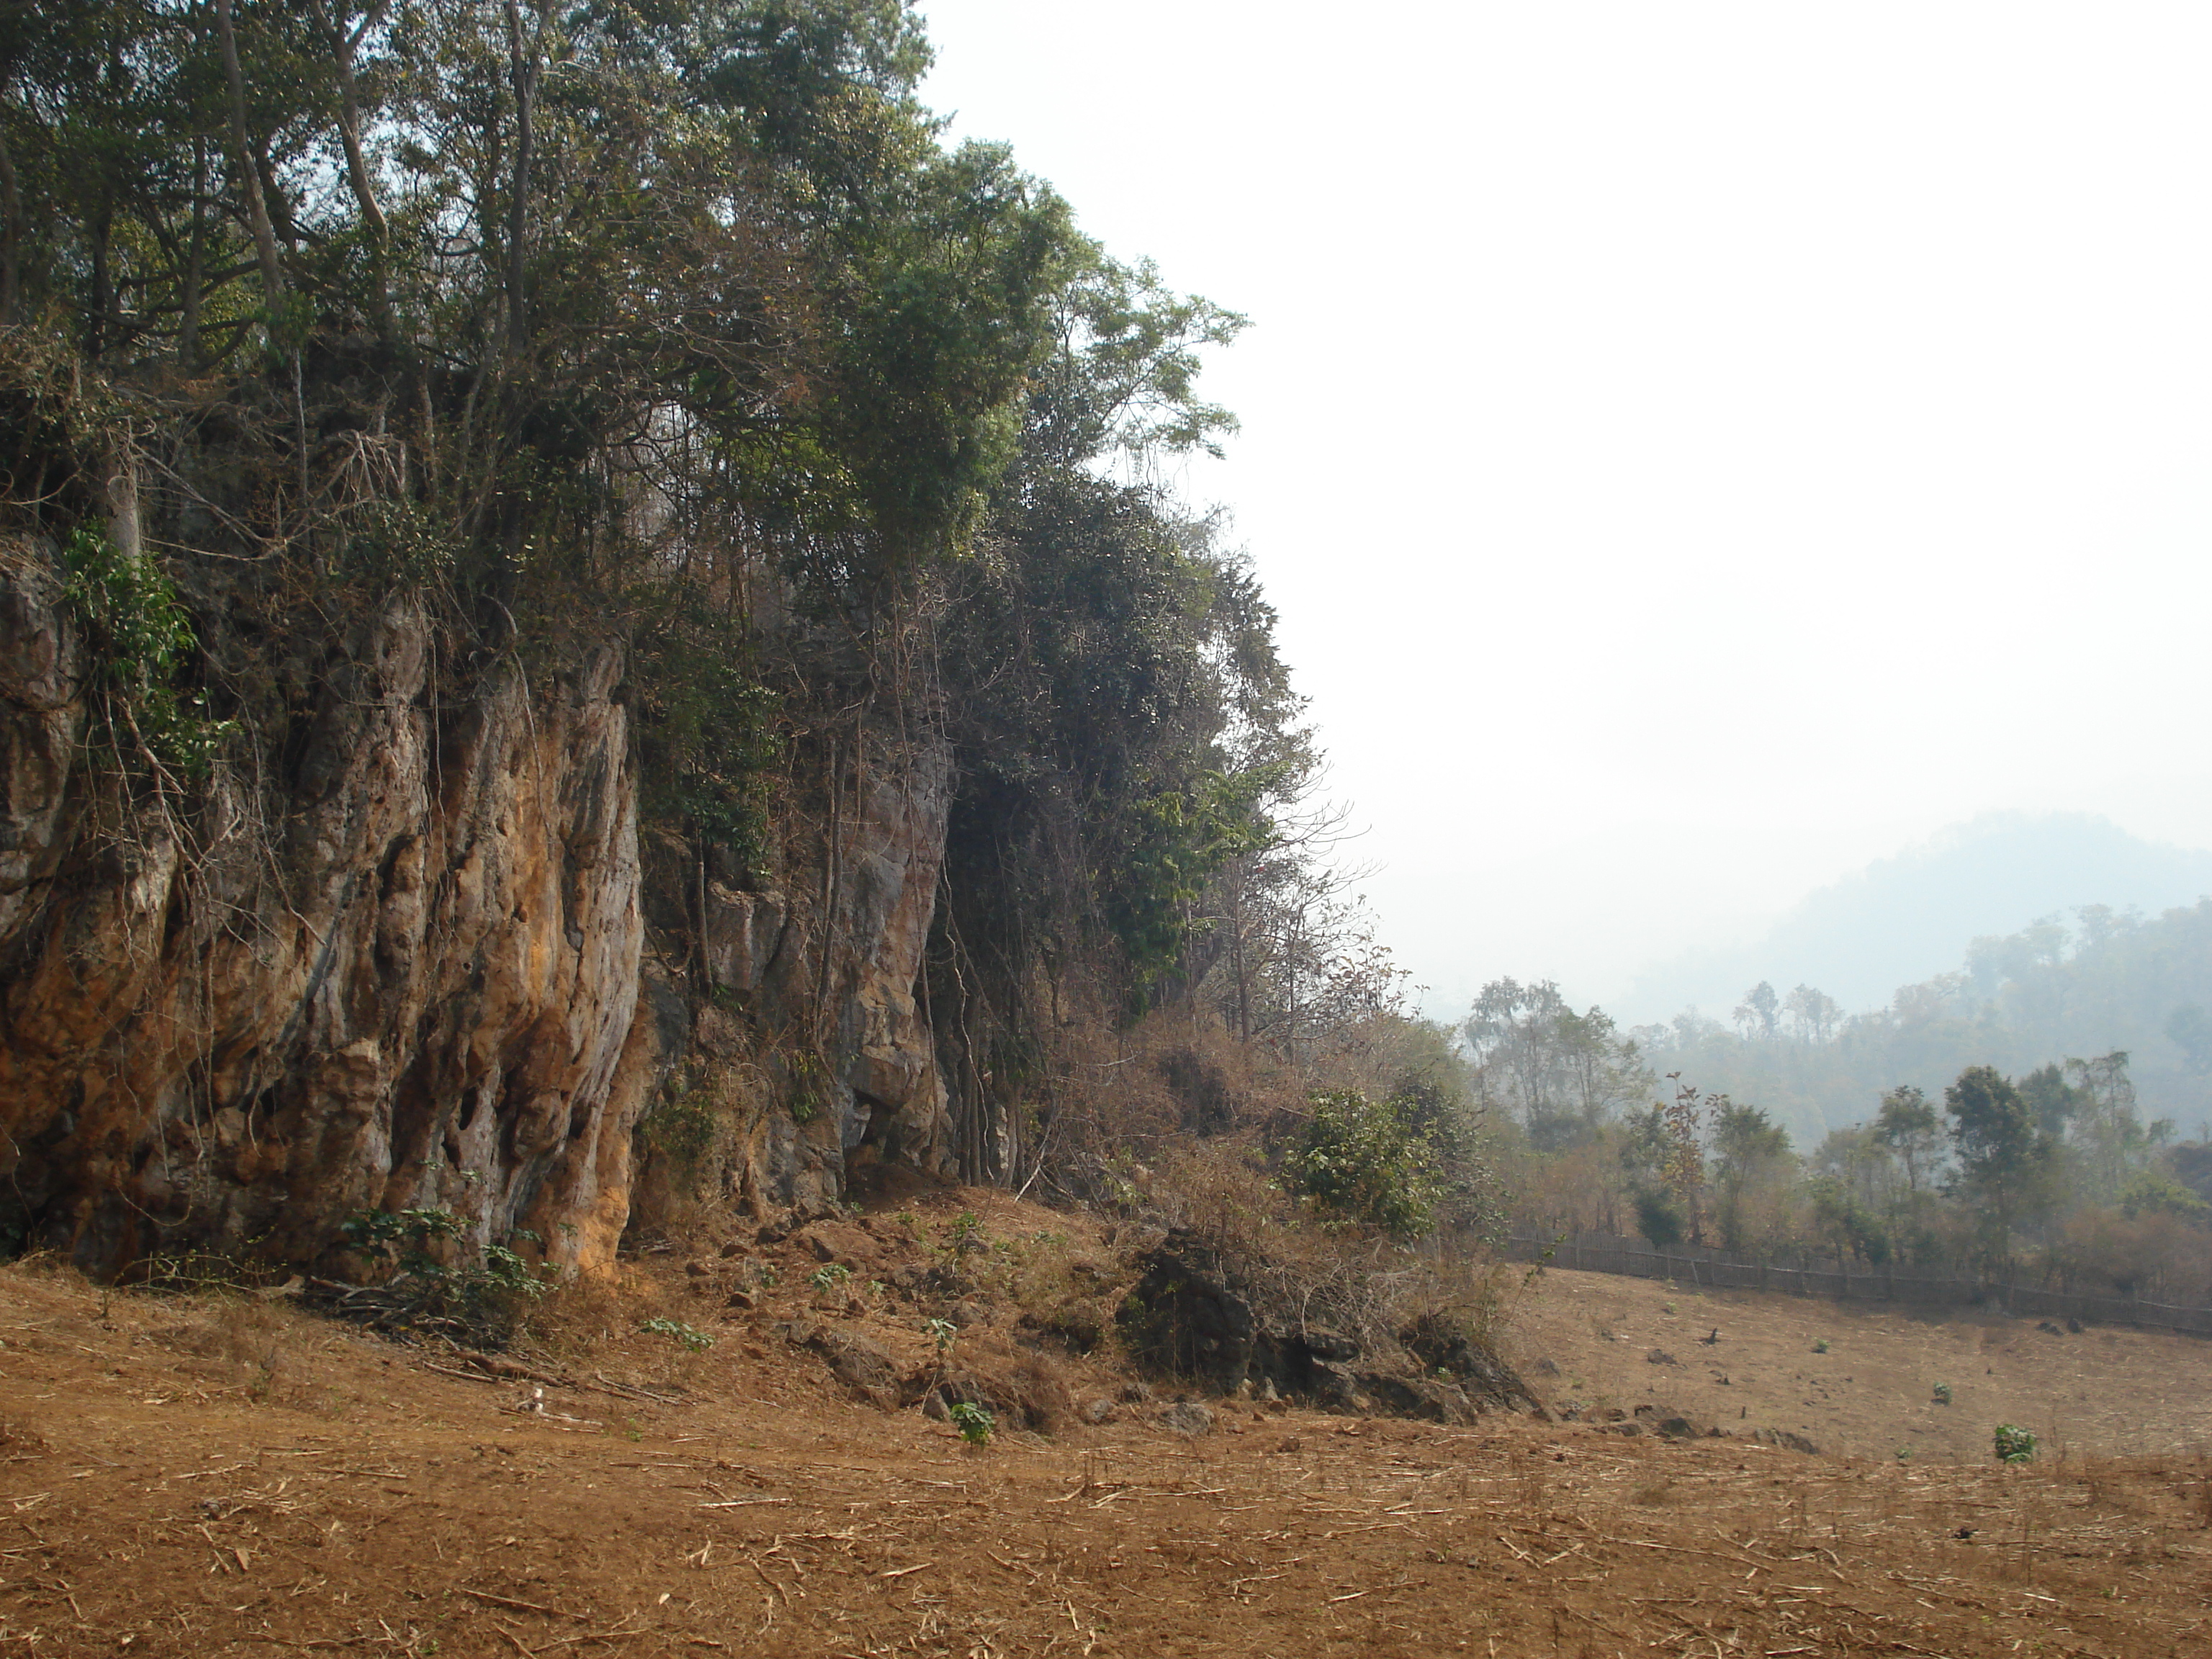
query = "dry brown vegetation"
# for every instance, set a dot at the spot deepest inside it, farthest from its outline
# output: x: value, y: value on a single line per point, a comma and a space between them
x: 225, y: 1473
x: 2101, y: 1391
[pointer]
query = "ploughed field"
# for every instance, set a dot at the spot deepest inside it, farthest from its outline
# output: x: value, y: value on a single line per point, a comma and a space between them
x: 232, y: 1475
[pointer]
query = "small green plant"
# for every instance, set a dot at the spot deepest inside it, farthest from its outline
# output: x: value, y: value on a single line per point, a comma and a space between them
x: 830, y: 1277
x: 1821, y: 1345
x: 141, y: 636
x: 1905, y: 1454
x: 401, y: 1237
x: 966, y: 1229
x: 1943, y: 1393
x: 1669, y: 1307
x: 2013, y: 1445
x: 942, y: 1332
x: 681, y: 1128
x: 677, y: 1331
x: 505, y: 1269
x: 974, y: 1422
x: 809, y: 1088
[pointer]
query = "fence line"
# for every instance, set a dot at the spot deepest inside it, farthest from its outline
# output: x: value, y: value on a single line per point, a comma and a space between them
x: 1606, y: 1253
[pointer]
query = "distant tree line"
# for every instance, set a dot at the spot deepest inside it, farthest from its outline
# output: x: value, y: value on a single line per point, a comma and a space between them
x: 2099, y: 980
x: 2054, y: 1175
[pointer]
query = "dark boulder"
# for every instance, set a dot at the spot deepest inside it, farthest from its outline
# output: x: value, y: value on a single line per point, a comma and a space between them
x: 1183, y: 1317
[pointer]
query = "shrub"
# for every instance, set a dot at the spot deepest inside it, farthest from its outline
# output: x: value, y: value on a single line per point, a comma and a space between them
x: 2013, y: 1445
x: 1943, y: 1393
x: 421, y: 1287
x: 141, y: 637
x: 974, y: 1422
x: 681, y: 1128
x: 1659, y: 1217
x: 1365, y: 1162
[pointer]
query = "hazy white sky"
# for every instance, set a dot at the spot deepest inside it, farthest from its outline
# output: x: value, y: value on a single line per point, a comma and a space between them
x: 1695, y: 449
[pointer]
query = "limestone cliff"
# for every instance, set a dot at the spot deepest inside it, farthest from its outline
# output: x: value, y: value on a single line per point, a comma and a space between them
x: 411, y: 960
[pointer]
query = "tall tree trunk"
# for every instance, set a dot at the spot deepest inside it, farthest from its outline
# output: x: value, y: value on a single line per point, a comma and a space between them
x: 103, y: 284
x: 342, y: 49
x: 249, y: 174
x: 118, y: 490
x: 188, y: 331
x: 524, y: 65
x: 11, y: 234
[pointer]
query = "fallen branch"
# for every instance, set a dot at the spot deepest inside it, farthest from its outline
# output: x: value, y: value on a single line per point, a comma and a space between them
x: 518, y: 1606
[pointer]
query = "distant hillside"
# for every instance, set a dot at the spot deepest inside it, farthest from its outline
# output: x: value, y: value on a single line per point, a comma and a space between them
x: 2088, y: 985
x: 1905, y: 919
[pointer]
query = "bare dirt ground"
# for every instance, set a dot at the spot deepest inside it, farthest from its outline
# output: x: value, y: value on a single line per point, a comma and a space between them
x: 2111, y: 1392
x: 229, y: 1475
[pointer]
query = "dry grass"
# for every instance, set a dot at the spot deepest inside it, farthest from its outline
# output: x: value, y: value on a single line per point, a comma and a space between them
x: 373, y: 1503
x: 2102, y: 1393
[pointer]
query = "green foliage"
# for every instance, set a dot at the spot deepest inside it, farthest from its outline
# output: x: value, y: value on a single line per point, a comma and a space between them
x: 2001, y: 1150
x: 506, y: 1269
x: 2109, y: 981
x: 974, y: 1422
x: 706, y: 726
x: 1123, y: 376
x: 1659, y: 1217
x: 1173, y: 843
x: 1559, y: 1073
x: 1943, y: 1393
x: 676, y: 1330
x: 383, y: 1233
x: 957, y: 292
x: 139, y: 637
x: 487, y: 1299
x: 1845, y: 1224
x: 1363, y: 1161
x: 395, y: 543
x: 2013, y: 1445
x: 830, y: 1277
x: 942, y: 1333
x: 2154, y: 1192
x: 1750, y: 1152
x: 809, y: 1093
x: 681, y: 1127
